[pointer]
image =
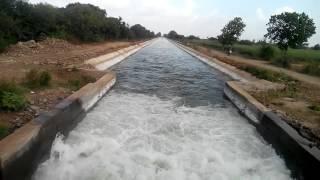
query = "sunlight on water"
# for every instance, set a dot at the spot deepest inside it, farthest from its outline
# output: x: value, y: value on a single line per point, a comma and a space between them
x: 141, y: 137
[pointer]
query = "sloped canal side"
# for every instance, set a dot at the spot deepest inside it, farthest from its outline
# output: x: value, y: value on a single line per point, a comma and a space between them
x: 166, y: 118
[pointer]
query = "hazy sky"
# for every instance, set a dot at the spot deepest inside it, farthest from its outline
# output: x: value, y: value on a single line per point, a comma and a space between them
x: 202, y: 17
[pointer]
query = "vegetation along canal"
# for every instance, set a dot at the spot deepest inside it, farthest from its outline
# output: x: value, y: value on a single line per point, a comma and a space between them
x: 165, y: 119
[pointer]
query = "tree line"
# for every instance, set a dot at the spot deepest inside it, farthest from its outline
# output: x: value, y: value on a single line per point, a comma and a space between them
x: 285, y: 30
x: 22, y: 21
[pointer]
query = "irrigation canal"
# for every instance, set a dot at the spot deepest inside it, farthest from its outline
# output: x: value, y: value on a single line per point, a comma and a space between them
x: 166, y: 118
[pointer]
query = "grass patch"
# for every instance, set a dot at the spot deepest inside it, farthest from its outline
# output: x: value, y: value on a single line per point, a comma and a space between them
x: 315, y: 108
x: 4, y: 131
x: 76, y: 84
x: 253, y: 50
x: 283, y: 62
x: 11, y: 97
x: 267, y: 52
x: 312, y: 68
x: 267, y: 74
x: 35, y: 79
x: 291, y: 85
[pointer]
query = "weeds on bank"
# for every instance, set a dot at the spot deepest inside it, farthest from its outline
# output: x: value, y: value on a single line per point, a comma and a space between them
x: 267, y: 74
x: 76, y: 84
x: 35, y: 79
x: 312, y: 68
x: 315, y: 107
x: 11, y: 97
x: 291, y: 85
x: 4, y: 131
x: 309, y: 58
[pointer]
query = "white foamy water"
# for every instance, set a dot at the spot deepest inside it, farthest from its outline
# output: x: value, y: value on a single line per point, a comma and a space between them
x: 138, y: 137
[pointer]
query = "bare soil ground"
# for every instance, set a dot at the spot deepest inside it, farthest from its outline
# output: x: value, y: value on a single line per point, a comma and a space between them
x: 63, y: 60
x: 293, y: 105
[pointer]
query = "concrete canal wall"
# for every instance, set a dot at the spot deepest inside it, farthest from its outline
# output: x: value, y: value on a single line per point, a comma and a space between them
x: 300, y: 155
x: 106, y: 61
x: 21, y: 151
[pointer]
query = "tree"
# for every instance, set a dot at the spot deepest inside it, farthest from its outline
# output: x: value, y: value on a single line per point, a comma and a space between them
x: 290, y: 29
x: 173, y: 35
x: 141, y: 32
x: 316, y: 47
x: 212, y: 38
x: 22, y: 21
x: 231, y: 32
x: 85, y: 21
x: 193, y: 37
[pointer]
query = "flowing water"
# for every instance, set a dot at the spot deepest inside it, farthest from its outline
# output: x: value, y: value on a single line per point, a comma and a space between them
x: 166, y: 118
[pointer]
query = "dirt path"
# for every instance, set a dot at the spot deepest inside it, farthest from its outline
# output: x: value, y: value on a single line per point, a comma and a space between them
x: 263, y: 64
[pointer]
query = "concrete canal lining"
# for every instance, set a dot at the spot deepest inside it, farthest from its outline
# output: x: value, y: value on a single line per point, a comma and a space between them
x: 21, y: 151
x: 300, y: 155
x: 106, y: 61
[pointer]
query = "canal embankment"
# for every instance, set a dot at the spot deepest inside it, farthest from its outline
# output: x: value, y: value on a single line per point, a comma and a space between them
x: 21, y: 151
x: 301, y: 154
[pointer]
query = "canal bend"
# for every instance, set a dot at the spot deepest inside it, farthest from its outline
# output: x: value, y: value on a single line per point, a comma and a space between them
x: 166, y: 118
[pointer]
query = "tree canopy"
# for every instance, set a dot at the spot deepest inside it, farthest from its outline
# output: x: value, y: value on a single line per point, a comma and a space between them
x: 232, y: 31
x: 174, y: 35
x: 290, y: 29
x: 21, y: 21
x: 141, y: 32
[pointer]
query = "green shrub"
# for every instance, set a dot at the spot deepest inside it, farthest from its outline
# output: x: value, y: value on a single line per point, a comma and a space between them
x: 282, y: 62
x: 315, y: 107
x: 246, y: 52
x: 11, y: 97
x: 267, y: 74
x: 44, y: 78
x: 4, y: 131
x: 267, y: 52
x: 34, y: 79
x: 312, y: 69
x: 10, y: 101
x: 76, y: 84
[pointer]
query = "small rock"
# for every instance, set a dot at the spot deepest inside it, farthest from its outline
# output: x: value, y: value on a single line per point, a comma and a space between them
x: 31, y: 102
x: 35, y: 108
x: 289, y: 99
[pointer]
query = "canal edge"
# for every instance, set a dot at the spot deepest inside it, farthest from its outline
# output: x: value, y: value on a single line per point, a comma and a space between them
x: 299, y: 154
x: 106, y: 61
x: 21, y: 151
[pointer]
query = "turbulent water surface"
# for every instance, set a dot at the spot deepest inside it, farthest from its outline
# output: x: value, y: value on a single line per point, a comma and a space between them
x: 165, y: 119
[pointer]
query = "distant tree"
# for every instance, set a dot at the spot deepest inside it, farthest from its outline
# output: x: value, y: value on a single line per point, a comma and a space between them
x: 192, y: 37
x: 86, y: 21
x: 290, y: 29
x: 316, y: 47
x: 141, y: 32
x: 158, y: 34
x: 212, y: 38
x: 22, y: 21
x: 173, y: 35
x: 231, y: 32
x: 246, y: 42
